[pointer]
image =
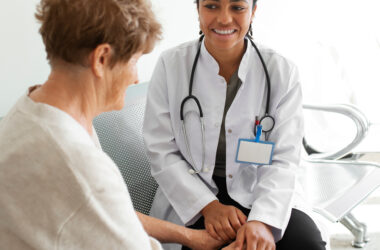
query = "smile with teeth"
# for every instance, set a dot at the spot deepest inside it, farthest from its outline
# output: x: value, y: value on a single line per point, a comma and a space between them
x: 224, y: 32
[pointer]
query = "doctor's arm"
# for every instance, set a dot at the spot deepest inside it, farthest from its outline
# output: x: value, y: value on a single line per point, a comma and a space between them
x: 167, y: 232
x: 223, y: 221
x: 186, y: 192
x: 276, y: 182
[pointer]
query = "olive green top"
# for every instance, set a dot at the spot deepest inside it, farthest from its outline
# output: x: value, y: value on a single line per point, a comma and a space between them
x: 220, y: 160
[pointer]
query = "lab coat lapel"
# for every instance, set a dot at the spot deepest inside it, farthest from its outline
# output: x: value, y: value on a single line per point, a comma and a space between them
x: 210, y: 89
x: 250, y: 101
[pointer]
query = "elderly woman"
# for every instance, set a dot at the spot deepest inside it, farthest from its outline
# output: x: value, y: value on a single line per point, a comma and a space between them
x: 58, y: 190
x: 210, y: 99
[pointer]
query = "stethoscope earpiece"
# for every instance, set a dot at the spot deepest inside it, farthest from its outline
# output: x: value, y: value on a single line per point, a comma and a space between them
x: 191, y: 171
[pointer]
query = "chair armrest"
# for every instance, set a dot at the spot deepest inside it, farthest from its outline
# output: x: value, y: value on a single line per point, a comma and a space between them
x: 354, y: 163
x: 352, y: 112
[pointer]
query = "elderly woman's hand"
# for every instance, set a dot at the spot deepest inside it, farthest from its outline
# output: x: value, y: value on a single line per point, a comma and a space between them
x: 222, y: 222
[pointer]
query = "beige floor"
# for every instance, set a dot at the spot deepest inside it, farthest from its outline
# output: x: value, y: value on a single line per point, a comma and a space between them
x: 342, y: 242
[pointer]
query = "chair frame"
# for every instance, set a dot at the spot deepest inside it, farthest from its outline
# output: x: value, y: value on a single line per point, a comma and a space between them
x: 345, y: 217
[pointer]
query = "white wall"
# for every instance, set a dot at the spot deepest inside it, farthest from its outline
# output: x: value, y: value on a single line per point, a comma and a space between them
x: 336, y: 44
x: 22, y: 60
x: 179, y: 21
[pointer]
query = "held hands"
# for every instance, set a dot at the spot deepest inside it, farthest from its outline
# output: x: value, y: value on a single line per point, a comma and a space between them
x: 223, y: 222
x: 253, y: 235
x: 201, y: 240
x: 226, y: 223
x: 233, y: 246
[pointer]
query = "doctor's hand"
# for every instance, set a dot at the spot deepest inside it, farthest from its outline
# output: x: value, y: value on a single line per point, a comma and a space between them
x: 202, y: 240
x: 255, y: 235
x: 221, y: 221
x: 233, y: 246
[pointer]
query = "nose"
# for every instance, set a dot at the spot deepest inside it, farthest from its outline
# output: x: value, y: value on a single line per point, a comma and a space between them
x: 135, y: 75
x: 224, y: 16
x: 136, y: 79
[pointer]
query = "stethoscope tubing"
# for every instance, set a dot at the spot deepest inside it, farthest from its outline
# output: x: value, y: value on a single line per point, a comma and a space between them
x: 193, y: 69
x: 195, y: 99
x: 190, y: 96
x: 266, y: 75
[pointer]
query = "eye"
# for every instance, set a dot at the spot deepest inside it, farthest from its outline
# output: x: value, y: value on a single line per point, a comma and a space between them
x: 210, y: 6
x: 238, y: 8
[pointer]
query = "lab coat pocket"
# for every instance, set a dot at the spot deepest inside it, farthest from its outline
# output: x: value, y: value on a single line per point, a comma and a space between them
x: 245, y: 179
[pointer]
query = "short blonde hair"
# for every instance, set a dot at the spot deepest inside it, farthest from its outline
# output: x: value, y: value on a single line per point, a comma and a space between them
x: 71, y: 29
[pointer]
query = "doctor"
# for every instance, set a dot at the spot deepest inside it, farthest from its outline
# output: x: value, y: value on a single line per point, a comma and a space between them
x: 218, y: 88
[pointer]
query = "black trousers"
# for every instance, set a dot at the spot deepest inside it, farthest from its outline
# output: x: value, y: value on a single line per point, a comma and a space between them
x: 300, y: 234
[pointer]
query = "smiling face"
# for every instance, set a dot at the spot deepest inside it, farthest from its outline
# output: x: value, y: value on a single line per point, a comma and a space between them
x: 225, y: 23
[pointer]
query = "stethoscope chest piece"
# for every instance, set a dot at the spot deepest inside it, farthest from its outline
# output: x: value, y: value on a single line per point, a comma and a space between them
x: 267, y: 122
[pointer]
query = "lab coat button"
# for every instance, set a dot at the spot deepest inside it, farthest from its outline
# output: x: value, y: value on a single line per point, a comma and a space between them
x: 216, y: 125
x: 230, y: 131
x: 230, y: 176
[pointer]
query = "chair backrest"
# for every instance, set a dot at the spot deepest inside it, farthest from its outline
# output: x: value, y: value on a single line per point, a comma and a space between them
x: 120, y: 135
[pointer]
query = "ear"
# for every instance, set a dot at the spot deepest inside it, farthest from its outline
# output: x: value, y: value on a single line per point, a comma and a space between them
x: 253, y: 12
x: 100, y: 59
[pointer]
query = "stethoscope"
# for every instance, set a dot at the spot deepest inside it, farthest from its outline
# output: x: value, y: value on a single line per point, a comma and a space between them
x: 267, y: 122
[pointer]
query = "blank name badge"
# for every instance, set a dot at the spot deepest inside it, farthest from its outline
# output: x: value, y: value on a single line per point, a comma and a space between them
x: 254, y: 152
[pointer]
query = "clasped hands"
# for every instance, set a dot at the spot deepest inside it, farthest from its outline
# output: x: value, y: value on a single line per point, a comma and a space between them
x: 229, y: 224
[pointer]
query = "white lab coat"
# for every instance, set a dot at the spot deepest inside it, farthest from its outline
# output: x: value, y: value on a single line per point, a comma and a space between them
x: 269, y: 191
